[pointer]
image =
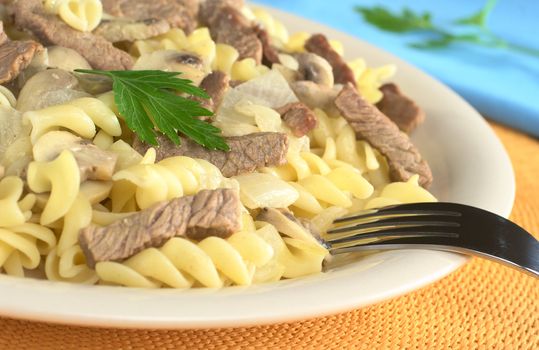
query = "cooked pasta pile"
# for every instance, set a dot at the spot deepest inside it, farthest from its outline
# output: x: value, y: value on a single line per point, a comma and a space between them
x: 45, y: 201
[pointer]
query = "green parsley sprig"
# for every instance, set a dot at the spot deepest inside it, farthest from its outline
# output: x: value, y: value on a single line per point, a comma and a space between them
x: 409, y: 21
x: 148, y: 100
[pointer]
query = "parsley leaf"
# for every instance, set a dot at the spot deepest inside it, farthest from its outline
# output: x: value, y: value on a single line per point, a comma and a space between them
x: 436, y: 36
x: 479, y: 18
x: 406, y: 21
x: 147, y: 99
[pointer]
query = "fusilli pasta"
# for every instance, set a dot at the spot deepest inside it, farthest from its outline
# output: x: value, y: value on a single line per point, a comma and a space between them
x: 60, y: 177
x: 173, y: 177
x: 82, y: 15
x: 80, y: 116
x: 180, y: 263
x: 7, y: 98
x: 199, y: 42
x: 328, y: 173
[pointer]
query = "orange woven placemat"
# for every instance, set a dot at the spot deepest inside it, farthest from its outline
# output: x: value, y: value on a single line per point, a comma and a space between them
x: 481, y: 306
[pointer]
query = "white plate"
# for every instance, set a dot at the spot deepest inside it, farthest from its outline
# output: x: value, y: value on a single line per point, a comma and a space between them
x: 469, y: 164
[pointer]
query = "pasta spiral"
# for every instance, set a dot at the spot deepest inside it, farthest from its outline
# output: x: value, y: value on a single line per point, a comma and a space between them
x: 199, y: 42
x: 320, y: 184
x: 180, y: 263
x: 60, y: 177
x: 220, y: 57
x: 401, y: 193
x: 292, y: 257
x: 66, y: 262
x: 81, y: 116
x: 82, y: 15
x: 7, y: 98
x: 21, y: 247
x: 14, y: 211
x: 21, y: 243
x: 247, y: 257
x: 149, y: 182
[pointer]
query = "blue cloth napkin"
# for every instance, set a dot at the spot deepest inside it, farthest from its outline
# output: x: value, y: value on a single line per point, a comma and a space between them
x: 500, y: 84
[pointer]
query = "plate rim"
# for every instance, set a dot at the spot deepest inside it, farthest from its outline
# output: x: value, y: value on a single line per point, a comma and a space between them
x: 454, y: 261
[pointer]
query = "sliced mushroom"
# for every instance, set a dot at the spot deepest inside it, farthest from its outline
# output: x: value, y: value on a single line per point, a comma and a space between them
x: 94, y: 163
x: 94, y: 84
x: 66, y: 59
x: 189, y: 64
x: 124, y: 29
x: 48, y: 88
x: 286, y: 223
x: 15, y: 146
x: 11, y: 127
x: 39, y: 63
x: 316, y: 96
x: 315, y: 68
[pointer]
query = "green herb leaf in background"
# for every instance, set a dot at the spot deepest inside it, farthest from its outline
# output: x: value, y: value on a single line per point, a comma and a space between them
x: 479, y: 18
x: 147, y: 99
x: 406, y: 21
x: 439, y: 37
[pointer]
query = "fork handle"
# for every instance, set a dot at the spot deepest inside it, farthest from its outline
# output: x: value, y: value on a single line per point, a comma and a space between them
x: 529, y: 266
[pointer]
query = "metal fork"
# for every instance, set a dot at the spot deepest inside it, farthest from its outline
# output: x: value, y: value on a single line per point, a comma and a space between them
x: 439, y: 226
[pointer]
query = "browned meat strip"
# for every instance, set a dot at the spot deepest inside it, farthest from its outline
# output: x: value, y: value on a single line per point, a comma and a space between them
x: 270, y: 55
x: 400, y: 108
x: 215, y: 84
x: 373, y: 126
x: 319, y: 44
x: 178, y: 13
x: 191, y: 6
x: 210, y: 9
x: 208, y: 213
x: 214, y: 213
x: 101, y: 54
x: 15, y: 56
x: 298, y: 117
x: 121, y: 29
x: 230, y: 27
x: 247, y: 153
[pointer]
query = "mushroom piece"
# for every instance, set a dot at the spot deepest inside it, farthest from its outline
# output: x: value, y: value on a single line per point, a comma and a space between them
x: 94, y: 84
x: 286, y: 223
x: 317, y: 96
x: 189, y: 64
x: 315, y: 68
x: 66, y: 59
x: 125, y: 29
x: 48, y: 88
x: 10, y: 127
x: 15, y: 145
x: 39, y: 63
x: 94, y: 163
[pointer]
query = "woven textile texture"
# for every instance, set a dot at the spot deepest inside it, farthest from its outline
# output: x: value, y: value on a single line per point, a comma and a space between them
x: 481, y: 306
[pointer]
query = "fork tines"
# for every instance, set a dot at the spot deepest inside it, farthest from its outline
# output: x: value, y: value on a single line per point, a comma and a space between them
x: 391, y: 223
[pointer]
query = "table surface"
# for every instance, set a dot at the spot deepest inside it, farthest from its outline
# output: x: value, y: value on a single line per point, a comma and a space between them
x: 480, y: 306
